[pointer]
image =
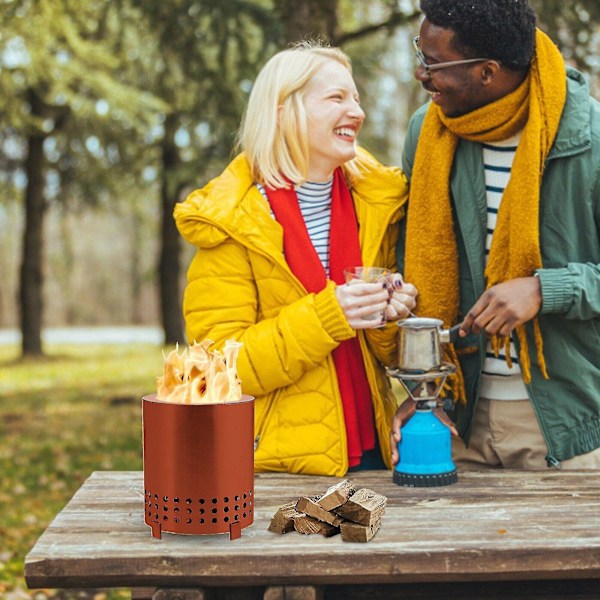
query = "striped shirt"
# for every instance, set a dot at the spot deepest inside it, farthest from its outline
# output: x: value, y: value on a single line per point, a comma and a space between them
x: 314, y: 200
x: 499, y: 382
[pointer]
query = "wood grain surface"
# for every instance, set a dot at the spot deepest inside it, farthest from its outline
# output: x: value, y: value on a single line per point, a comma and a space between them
x: 490, y: 526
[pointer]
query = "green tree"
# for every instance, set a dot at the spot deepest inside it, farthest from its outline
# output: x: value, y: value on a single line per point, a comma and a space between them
x: 208, y: 55
x: 57, y: 64
x: 205, y: 53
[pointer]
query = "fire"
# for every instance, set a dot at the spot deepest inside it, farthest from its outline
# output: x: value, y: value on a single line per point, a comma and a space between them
x: 200, y: 375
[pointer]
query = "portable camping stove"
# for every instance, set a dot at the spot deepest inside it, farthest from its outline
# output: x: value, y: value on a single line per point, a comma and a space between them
x: 425, y: 446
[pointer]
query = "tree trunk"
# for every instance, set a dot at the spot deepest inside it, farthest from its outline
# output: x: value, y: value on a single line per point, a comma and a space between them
x: 169, y: 269
x: 310, y: 18
x: 31, y: 278
x: 137, y: 315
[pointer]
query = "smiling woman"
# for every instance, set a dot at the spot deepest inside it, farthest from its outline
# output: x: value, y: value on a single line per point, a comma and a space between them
x: 273, y: 235
x: 334, y: 118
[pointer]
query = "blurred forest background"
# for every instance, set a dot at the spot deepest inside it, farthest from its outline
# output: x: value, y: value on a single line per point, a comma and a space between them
x: 112, y: 110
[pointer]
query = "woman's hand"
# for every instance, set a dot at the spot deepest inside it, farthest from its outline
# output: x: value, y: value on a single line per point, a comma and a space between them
x: 403, y: 298
x: 364, y: 304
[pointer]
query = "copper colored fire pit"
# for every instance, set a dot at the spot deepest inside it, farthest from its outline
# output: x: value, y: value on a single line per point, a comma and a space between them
x: 198, y: 467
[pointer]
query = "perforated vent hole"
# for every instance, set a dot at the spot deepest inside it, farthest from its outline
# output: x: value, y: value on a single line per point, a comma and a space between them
x: 226, y: 509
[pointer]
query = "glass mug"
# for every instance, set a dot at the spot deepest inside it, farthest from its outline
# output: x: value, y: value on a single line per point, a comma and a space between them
x: 357, y: 275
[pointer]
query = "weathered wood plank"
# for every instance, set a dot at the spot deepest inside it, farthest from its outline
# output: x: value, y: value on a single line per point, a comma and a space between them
x: 181, y: 594
x: 291, y: 592
x: 490, y: 526
x: 142, y: 593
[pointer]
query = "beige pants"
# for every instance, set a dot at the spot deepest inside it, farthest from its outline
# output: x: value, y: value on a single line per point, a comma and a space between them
x: 506, y: 434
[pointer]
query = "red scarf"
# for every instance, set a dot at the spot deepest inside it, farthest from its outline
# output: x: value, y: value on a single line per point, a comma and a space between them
x: 303, y: 260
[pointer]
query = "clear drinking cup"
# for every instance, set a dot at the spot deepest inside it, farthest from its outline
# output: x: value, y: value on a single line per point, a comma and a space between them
x: 359, y: 275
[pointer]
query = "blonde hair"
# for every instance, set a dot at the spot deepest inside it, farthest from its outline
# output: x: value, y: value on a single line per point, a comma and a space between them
x: 273, y: 133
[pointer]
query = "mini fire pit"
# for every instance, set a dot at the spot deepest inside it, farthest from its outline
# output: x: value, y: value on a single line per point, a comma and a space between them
x: 198, y: 466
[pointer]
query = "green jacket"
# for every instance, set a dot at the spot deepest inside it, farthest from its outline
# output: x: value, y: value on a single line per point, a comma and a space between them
x: 568, y: 404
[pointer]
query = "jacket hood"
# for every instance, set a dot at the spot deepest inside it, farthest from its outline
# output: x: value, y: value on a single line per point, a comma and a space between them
x: 209, y: 215
x: 230, y: 206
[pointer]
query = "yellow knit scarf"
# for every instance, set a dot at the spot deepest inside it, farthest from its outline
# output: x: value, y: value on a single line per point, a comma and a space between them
x: 431, y: 262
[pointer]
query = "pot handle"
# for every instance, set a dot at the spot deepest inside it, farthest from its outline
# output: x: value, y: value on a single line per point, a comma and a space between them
x: 450, y: 336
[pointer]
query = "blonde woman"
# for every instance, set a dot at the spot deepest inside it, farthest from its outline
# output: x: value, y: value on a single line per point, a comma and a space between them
x: 273, y: 234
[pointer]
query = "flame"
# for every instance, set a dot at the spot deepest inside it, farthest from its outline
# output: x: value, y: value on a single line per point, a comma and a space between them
x: 201, y: 376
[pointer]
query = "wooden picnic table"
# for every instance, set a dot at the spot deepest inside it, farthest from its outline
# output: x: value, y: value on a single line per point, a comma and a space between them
x: 494, y: 534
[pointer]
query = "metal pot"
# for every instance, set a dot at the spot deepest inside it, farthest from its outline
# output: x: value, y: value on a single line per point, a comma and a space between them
x: 420, y: 343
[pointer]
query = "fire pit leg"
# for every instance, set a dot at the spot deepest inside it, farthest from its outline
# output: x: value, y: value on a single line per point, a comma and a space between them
x: 235, y: 530
x: 156, y: 530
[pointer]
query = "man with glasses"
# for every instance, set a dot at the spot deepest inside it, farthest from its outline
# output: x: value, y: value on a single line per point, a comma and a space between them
x: 503, y: 234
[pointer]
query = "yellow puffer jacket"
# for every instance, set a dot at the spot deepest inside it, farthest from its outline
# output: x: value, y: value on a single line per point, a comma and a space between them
x: 240, y: 287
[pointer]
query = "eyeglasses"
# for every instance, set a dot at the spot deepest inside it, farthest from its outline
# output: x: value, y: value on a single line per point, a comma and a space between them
x: 443, y: 65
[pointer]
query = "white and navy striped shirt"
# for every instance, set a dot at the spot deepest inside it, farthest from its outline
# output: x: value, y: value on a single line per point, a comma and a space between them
x: 499, y: 382
x: 314, y: 200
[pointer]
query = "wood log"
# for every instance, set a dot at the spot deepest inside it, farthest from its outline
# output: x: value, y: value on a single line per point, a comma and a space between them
x: 307, y: 525
x: 336, y: 495
x: 283, y: 519
x: 353, y: 532
x: 310, y: 507
x: 364, y: 507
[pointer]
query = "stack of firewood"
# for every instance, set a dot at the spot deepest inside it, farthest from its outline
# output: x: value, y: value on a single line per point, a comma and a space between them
x: 342, y: 508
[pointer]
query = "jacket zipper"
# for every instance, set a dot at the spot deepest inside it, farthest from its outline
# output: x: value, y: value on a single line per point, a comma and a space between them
x: 266, y: 415
x: 550, y: 459
x: 553, y: 462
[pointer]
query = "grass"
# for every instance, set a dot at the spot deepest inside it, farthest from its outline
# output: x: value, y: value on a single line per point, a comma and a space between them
x: 75, y: 411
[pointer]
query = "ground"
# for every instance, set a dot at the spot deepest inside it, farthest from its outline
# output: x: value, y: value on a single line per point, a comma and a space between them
x: 76, y: 411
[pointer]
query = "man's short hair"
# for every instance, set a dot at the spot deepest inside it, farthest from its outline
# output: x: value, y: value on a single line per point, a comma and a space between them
x: 503, y: 30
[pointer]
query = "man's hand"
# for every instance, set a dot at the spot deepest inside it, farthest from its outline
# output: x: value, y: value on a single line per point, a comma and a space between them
x: 503, y: 307
x: 404, y: 412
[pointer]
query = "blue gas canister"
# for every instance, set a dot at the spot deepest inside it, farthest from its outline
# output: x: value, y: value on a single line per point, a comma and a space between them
x: 425, y: 450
